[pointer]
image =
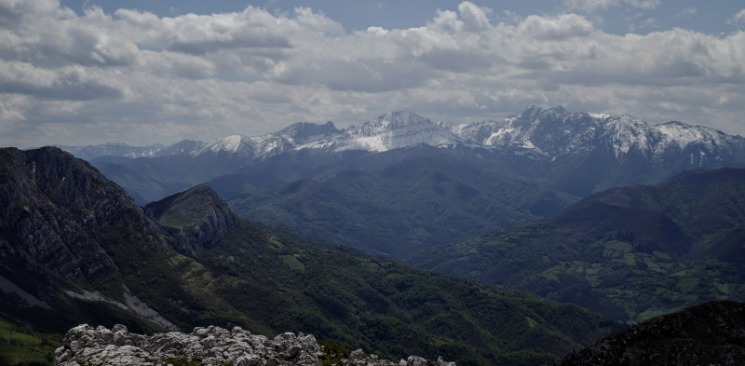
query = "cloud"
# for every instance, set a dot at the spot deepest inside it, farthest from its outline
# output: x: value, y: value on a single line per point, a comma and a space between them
x: 365, y: 75
x: 591, y: 6
x: 15, y: 13
x: 555, y: 28
x: 69, y: 83
x: 137, y: 77
x: 738, y: 19
x: 474, y: 18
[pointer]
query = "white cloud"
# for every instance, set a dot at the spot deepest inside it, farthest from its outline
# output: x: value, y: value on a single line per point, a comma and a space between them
x: 137, y: 77
x: 555, y: 28
x: 67, y: 83
x: 738, y: 18
x: 591, y: 6
x: 474, y: 18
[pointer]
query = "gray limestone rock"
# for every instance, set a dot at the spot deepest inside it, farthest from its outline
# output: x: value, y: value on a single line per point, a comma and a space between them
x: 210, y: 346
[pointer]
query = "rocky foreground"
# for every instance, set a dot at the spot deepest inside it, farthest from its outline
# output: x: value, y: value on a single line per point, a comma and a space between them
x: 213, y: 346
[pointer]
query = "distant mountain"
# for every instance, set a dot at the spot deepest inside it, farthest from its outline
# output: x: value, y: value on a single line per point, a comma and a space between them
x: 554, y: 132
x: 396, y: 203
x: 91, y: 152
x: 547, y: 133
x: 561, y: 156
x: 707, y: 334
x: 390, y: 131
x: 629, y: 252
x: 74, y: 248
x: 264, y: 146
x: 581, y: 153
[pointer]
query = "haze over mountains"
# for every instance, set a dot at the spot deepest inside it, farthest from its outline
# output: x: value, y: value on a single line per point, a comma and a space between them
x: 400, y: 182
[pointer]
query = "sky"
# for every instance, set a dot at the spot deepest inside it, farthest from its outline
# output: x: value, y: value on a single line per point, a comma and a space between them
x: 81, y: 72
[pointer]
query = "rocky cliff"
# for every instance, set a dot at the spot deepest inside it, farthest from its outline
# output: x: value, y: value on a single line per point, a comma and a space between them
x: 40, y: 217
x: 198, y: 218
x: 56, y: 211
x: 61, y: 223
x: 85, y: 345
x: 708, y: 334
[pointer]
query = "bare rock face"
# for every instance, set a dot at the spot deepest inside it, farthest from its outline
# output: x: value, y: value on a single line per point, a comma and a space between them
x: 210, y: 346
x: 59, y: 215
x: 85, y: 345
x: 197, y: 218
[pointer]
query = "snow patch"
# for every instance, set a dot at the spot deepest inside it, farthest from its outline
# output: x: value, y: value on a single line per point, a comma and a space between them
x: 599, y: 115
x: 231, y: 144
x: 681, y: 134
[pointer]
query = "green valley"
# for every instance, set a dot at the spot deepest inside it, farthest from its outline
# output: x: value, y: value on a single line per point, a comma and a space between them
x: 630, y: 253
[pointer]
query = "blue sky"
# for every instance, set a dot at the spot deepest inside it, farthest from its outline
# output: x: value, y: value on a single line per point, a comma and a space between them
x: 87, y: 71
x: 619, y: 18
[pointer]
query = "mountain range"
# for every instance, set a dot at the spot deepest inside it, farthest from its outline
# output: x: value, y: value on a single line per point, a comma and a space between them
x: 550, y: 133
x: 74, y: 248
x: 401, y: 182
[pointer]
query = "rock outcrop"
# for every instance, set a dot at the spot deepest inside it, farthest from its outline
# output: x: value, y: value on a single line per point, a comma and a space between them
x: 198, y: 218
x: 708, y: 334
x: 67, y: 237
x: 59, y: 216
x: 47, y: 214
x: 86, y: 345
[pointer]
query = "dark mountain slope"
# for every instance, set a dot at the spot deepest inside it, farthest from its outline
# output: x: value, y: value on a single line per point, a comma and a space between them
x: 40, y: 224
x: 122, y: 266
x: 61, y: 226
x: 401, y: 202
x: 708, y: 334
x: 727, y: 246
x: 627, y: 252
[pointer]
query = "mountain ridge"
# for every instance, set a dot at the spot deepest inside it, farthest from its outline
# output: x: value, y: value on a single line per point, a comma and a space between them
x: 379, y: 134
x: 628, y: 252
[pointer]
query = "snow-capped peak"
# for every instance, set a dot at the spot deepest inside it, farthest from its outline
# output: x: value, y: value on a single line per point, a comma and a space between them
x: 683, y: 135
x: 394, y: 130
x: 556, y: 131
x: 230, y: 144
x: 545, y: 131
